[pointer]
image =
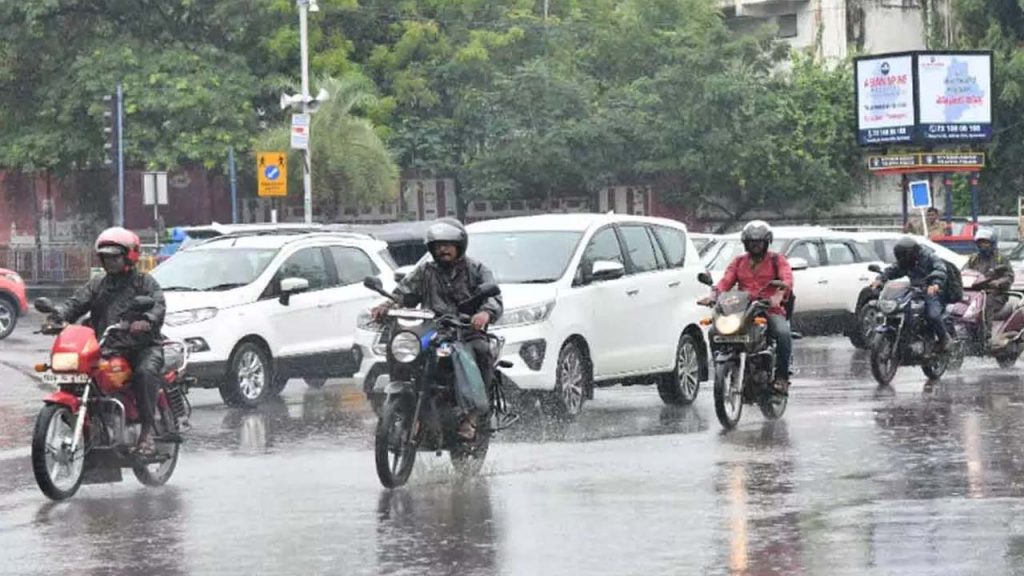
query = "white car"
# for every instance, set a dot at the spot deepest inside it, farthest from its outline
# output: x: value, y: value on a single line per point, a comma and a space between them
x: 259, y: 308
x: 591, y: 300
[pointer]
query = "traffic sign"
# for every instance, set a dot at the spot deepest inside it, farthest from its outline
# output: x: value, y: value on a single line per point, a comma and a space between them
x: 272, y: 172
x: 927, y: 162
x: 920, y: 194
x: 300, y: 131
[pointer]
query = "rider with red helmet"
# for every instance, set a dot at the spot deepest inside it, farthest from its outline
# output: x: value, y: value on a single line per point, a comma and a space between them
x: 106, y: 299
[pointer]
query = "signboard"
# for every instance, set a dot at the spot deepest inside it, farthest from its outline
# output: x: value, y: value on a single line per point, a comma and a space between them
x: 920, y: 195
x: 154, y: 188
x: 954, y: 96
x: 300, y: 131
x: 927, y: 162
x: 885, y: 99
x: 272, y: 172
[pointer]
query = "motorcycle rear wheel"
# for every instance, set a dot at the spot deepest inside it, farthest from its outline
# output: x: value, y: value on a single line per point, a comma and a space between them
x: 1009, y: 358
x: 884, y: 359
x: 394, y: 448
x: 468, y: 457
x: 728, y: 403
x: 158, y: 473
x: 55, y: 427
x: 773, y: 406
x: 935, y: 366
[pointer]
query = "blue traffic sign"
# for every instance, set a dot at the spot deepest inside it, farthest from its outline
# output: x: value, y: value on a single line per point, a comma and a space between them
x: 271, y: 172
x: 920, y: 194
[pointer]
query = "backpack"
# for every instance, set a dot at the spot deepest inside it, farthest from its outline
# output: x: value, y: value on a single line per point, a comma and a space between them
x: 953, y: 292
x: 789, y: 302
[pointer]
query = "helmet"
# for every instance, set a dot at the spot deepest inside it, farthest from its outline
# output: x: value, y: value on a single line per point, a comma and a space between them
x: 906, y: 251
x: 178, y: 234
x: 756, y: 231
x: 986, y: 234
x: 119, y: 241
x: 447, y: 230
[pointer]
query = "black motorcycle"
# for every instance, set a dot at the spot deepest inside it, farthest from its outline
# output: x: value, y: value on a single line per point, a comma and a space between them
x: 903, y: 337
x: 421, y: 409
x: 744, y: 357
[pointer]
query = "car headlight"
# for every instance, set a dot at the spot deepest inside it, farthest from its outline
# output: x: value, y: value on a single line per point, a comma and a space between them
x: 366, y: 322
x: 730, y: 324
x: 13, y: 277
x: 64, y: 362
x: 190, y: 316
x: 405, y: 347
x: 887, y: 306
x: 525, y: 315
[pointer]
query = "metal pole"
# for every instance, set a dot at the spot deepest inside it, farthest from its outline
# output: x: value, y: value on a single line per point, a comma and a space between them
x: 120, y: 154
x: 234, y: 184
x: 974, y: 197
x: 307, y: 177
x: 947, y: 180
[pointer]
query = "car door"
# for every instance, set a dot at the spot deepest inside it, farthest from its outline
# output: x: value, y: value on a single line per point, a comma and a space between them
x: 347, y: 297
x: 811, y: 285
x: 847, y: 273
x: 301, y: 329
x: 682, y: 267
x: 650, y: 326
x: 608, y: 302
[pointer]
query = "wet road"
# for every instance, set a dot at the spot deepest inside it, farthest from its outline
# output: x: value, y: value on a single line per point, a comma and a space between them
x: 912, y: 479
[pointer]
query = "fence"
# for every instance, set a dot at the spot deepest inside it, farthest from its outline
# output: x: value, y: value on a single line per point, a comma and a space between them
x: 50, y: 264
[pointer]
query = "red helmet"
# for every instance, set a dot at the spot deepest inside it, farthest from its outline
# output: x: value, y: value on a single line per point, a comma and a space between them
x: 119, y: 241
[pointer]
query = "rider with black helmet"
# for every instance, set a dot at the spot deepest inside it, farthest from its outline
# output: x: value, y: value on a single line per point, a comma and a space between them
x: 441, y: 283
x: 924, y: 268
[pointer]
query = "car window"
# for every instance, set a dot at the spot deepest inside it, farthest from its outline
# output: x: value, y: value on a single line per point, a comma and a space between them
x: 673, y: 242
x: 352, y: 264
x: 640, y: 248
x: 865, y: 251
x: 603, y: 246
x: 307, y: 263
x: 839, y: 253
x: 808, y: 251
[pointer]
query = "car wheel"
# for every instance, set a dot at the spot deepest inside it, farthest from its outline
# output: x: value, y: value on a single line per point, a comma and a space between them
x: 572, y: 381
x: 865, y: 321
x: 680, y: 387
x: 250, y: 377
x: 8, y: 317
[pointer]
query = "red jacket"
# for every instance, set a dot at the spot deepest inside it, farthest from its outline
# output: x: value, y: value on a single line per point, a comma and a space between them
x: 755, y: 280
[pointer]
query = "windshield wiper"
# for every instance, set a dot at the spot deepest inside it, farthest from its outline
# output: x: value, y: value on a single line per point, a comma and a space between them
x: 538, y: 281
x: 179, y: 289
x: 225, y: 286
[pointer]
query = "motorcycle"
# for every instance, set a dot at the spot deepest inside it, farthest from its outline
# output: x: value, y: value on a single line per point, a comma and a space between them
x: 744, y: 356
x: 1003, y: 340
x: 86, y: 430
x: 903, y: 337
x: 420, y: 408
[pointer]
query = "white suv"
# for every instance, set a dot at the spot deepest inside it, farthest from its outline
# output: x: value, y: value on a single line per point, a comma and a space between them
x: 591, y: 300
x: 259, y: 308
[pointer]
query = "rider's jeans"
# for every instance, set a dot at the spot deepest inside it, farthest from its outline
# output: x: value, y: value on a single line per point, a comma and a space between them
x: 778, y: 327
x: 933, y: 308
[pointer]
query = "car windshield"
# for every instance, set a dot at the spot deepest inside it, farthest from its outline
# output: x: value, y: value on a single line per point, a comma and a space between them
x: 212, y: 269
x: 524, y: 257
x: 719, y: 258
x: 1017, y: 253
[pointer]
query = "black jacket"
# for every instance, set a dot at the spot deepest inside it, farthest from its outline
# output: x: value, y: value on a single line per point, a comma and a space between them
x: 107, y: 298
x: 441, y: 289
x: 929, y: 269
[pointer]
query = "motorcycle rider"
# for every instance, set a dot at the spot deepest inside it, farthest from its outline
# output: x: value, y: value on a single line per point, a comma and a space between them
x: 106, y: 299
x: 754, y: 272
x: 924, y: 268
x: 995, y: 268
x: 441, y: 283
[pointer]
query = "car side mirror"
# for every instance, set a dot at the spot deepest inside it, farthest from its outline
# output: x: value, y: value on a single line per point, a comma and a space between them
x: 45, y: 305
x: 705, y: 279
x: 142, y: 304
x: 606, y: 270
x: 798, y: 263
x: 292, y: 286
x: 875, y: 268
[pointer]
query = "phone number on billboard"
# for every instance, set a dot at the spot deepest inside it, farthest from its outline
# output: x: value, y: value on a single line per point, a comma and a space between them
x: 956, y: 131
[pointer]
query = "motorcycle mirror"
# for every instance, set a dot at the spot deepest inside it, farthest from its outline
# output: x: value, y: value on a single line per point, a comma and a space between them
x: 44, y: 305
x: 705, y: 278
x: 373, y: 283
x: 142, y: 304
x: 875, y: 268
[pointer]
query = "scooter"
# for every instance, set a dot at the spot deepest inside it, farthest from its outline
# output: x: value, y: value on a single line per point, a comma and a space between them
x: 1005, y: 340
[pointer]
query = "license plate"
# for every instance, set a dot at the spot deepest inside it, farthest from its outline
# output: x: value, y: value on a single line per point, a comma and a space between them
x: 732, y: 339
x: 58, y: 379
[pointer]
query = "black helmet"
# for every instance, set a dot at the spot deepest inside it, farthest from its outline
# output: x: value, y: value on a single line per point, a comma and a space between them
x: 906, y: 251
x: 447, y: 230
x: 756, y: 231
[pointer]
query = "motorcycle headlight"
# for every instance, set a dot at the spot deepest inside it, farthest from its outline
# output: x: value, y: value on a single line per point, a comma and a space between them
x: 366, y: 322
x: 730, y: 324
x: 64, y: 362
x: 13, y: 277
x: 887, y: 306
x: 405, y: 347
x: 526, y: 315
x: 190, y: 316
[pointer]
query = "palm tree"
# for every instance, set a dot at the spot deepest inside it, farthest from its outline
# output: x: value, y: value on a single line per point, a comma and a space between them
x: 351, y: 164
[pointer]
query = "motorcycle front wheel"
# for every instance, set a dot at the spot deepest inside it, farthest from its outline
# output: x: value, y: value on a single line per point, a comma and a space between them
x: 58, y: 471
x: 884, y: 358
x: 394, y: 444
x: 728, y: 393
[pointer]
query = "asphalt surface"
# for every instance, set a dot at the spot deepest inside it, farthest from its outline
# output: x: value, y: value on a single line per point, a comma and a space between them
x: 915, y: 478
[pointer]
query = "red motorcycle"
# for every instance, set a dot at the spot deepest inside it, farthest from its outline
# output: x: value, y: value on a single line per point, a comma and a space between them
x: 87, y: 429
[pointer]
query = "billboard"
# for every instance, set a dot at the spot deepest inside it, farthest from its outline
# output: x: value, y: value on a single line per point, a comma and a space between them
x: 954, y: 96
x: 885, y: 99
x: 924, y: 98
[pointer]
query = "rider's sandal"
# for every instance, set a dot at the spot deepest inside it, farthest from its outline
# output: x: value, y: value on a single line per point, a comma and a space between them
x: 147, y: 450
x: 467, y: 431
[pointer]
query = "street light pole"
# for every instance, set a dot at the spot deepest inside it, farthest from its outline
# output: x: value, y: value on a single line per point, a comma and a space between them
x: 307, y: 177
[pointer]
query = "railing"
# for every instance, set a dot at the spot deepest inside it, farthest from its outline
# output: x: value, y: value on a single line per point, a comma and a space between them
x: 49, y: 264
